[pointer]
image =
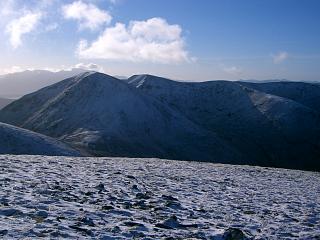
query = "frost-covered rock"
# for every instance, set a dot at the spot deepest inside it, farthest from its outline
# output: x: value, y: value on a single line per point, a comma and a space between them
x: 57, y: 197
x: 234, y: 234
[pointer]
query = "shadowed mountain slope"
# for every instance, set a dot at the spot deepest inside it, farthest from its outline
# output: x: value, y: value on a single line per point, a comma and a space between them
x: 269, y: 130
x: 307, y: 94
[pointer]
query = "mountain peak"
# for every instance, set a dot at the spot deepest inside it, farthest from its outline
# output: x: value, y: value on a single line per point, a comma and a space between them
x: 89, y: 83
x: 147, y: 80
x: 93, y: 76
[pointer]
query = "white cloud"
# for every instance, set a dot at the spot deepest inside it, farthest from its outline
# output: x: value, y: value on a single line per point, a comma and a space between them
x: 23, y: 25
x: 280, y: 57
x: 78, y: 66
x: 151, y: 40
x: 233, y: 70
x: 89, y: 67
x: 11, y: 69
x: 7, y: 8
x: 88, y: 15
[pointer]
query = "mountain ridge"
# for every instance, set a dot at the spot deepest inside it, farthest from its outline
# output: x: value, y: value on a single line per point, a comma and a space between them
x: 114, y: 118
x: 150, y: 116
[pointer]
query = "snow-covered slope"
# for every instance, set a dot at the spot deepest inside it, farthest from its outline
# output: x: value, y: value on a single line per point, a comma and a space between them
x: 14, y: 140
x: 106, y: 116
x: 148, y: 116
x: 4, y: 102
x: 114, y: 198
x: 307, y: 94
x: 269, y: 130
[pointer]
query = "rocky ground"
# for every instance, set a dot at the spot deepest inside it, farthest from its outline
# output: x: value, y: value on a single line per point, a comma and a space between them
x: 118, y: 198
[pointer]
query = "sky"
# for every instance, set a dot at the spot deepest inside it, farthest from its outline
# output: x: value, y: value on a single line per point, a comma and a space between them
x: 180, y: 39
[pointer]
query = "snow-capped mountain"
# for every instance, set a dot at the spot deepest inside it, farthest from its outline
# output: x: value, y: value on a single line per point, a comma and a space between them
x: 16, y: 140
x: 148, y: 116
x: 267, y: 129
x: 108, y: 117
x: 15, y: 85
x: 4, y: 102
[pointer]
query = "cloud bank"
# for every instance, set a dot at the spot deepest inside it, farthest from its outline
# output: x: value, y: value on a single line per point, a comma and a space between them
x: 152, y: 40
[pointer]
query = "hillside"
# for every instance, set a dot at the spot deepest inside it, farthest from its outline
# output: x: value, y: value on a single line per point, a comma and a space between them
x: 149, y: 116
x: 307, y: 94
x: 4, y: 102
x: 15, y: 140
x: 107, y: 117
x: 268, y: 129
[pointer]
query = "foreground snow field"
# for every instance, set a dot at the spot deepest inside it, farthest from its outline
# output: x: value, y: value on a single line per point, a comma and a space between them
x: 118, y: 198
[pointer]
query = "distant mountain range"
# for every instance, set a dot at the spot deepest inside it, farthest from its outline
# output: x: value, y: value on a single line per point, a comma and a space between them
x: 268, y: 124
x: 4, y: 102
x: 15, y: 85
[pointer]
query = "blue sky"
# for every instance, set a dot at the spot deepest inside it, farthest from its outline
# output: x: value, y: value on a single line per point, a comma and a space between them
x: 181, y: 39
